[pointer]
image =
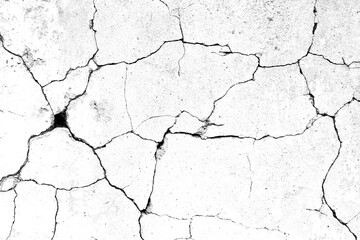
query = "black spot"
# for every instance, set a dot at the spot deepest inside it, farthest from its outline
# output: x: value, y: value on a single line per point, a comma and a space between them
x: 60, y: 120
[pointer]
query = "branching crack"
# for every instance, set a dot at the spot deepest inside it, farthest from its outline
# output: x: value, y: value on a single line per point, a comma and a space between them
x: 92, y: 58
x: 104, y: 169
x: 162, y: 145
x: 160, y: 151
x: 347, y: 65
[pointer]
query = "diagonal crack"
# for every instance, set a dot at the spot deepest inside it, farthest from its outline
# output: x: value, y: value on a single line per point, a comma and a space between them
x: 27, y: 69
x: 221, y: 97
x: 17, y: 173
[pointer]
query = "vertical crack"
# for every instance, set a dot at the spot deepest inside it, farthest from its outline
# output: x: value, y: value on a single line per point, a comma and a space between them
x: 56, y: 213
x: 251, y: 172
x: 312, y: 97
x: 314, y: 28
x: 93, y: 29
x: 190, y: 228
x: 178, y: 16
x: 126, y: 103
x: 14, y: 216
x: 159, y: 153
x: 140, y: 227
x: 324, y: 180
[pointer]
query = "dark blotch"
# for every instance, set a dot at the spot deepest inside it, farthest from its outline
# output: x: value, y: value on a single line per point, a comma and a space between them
x: 60, y: 120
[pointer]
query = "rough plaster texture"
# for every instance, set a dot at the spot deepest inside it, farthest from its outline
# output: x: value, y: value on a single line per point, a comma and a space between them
x: 179, y: 120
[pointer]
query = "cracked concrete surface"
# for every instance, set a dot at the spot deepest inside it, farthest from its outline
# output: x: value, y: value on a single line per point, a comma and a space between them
x: 57, y: 159
x: 179, y: 120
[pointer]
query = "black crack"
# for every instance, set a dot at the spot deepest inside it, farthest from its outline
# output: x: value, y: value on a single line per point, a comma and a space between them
x: 21, y: 58
x: 324, y: 198
x: 314, y: 28
x: 56, y: 214
x: 14, y: 215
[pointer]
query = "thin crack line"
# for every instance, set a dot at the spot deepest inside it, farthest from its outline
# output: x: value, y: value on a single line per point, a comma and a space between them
x: 92, y: 58
x: 140, y: 227
x: 153, y: 117
x: 232, y: 221
x: 157, y: 157
x: 28, y: 70
x: 198, y: 135
x: 312, y: 97
x: 103, y: 168
x: 221, y: 97
x: 325, y: 178
x: 353, y: 218
x: 126, y: 103
x: 160, y: 47
x: 141, y: 58
x: 56, y: 213
x: 17, y: 173
x: 14, y: 216
x: 62, y: 189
